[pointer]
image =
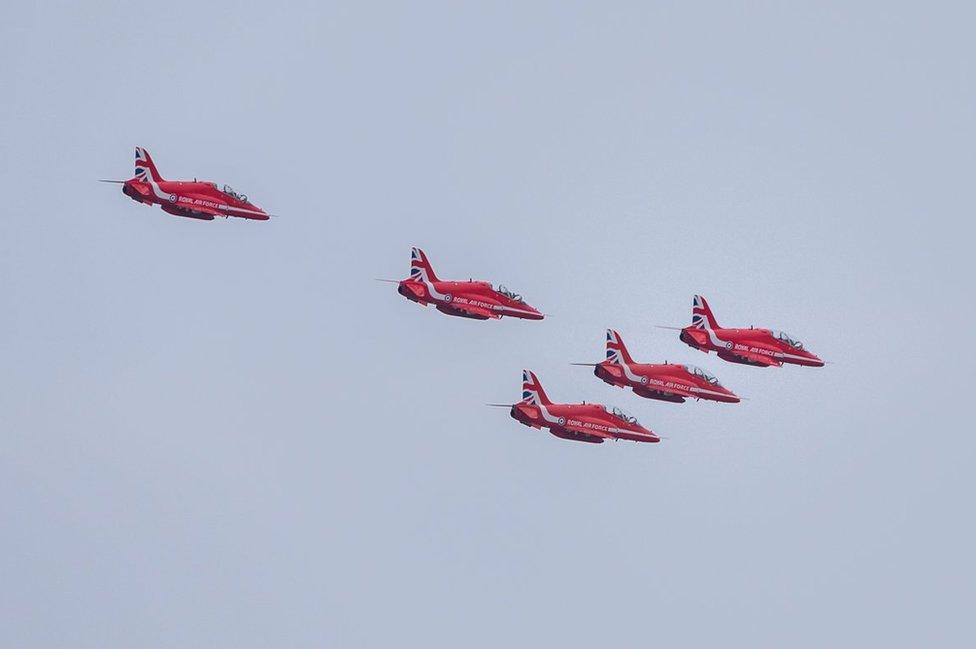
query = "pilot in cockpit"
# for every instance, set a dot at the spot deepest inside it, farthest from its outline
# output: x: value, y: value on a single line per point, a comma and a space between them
x: 230, y: 192
x: 509, y: 294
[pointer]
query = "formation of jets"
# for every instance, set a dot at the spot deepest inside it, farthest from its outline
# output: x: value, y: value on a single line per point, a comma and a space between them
x: 480, y: 300
x: 595, y: 422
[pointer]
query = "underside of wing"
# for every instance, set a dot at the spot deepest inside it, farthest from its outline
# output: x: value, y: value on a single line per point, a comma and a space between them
x: 203, y: 209
x: 663, y: 394
x: 597, y: 435
x: 751, y: 358
x: 467, y: 311
x: 579, y: 435
x: 196, y: 212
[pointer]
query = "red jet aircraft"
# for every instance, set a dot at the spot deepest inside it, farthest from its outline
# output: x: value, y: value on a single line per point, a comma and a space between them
x: 193, y: 199
x: 581, y: 422
x: 752, y: 346
x: 471, y: 299
x: 667, y: 382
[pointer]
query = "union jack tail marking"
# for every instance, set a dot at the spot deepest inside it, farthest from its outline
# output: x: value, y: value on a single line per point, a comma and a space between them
x: 145, y: 169
x: 420, y: 268
x: 701, y: 314
x: 616, y: 350
x: 532, y: 392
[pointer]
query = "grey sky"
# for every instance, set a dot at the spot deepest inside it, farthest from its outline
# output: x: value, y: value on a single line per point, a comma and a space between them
x: 226, y: 434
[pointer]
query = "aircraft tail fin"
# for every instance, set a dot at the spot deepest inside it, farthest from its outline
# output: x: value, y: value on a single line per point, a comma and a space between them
x: 616, y: 350
x: 145, y: 167
x: 701, y: 314
x: 420, y: 268
x: 532, y: 392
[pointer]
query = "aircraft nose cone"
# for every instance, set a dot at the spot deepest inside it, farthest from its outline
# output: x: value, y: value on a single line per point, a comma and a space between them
x: 258, y: 214
x: 654, y: 439
x: 536, y: 314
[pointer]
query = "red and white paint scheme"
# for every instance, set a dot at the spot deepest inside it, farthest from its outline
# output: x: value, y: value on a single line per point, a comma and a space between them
x: 580, y: 422
x: 752, y: 346
x: 192, y: 199
x: 472, y: 299
x: 664, y: 381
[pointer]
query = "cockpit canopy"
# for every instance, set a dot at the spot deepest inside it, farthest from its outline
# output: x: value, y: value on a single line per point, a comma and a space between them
x: 622, y: 415
x: 786, y: 338
x: 509, y: 294
x: 699, y: 372
x: 230, y: 192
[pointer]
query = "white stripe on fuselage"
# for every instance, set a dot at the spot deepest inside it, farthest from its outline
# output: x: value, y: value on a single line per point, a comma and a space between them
x: 661, y: 388
x: 613, y: 431
x: 629, y: 374
x: 705, y: 391
x: 238, y: 209
x: 724, y: 345
x: 794, y: 356
x: 718, y: 342
x: 500, y: 307
x: 168, y: 198
x: 443, y: 298
x: 713, y: 337
x: 160, y: 194
x: 434, y: 293
x: 547, y: 416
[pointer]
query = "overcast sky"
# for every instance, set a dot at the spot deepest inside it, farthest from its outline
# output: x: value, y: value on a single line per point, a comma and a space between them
x: 226, y: 434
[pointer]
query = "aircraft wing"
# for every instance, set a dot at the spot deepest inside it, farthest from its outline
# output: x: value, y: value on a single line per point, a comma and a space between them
x: 472, y: 311
x: 203, y: 209
x: 195, y: 212
x: 582, y: 430
x: 754, y: 358
x: 675, y: 389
